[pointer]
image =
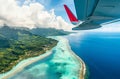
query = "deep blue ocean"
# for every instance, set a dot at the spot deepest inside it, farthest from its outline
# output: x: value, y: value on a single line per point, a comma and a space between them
x: 100, y: 52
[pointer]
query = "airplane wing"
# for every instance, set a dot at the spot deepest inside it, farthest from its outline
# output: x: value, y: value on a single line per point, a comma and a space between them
x: 108, y: 8
x: 85, y: 8
x: 93, y: 13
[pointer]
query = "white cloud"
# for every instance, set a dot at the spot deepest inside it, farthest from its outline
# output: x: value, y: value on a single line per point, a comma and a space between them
x: 27, y: 2
x: 31, y: 16
x: 111, y: 27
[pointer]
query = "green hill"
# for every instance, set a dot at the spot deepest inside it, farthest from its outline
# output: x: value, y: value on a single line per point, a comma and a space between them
x: 19, y: 44
x: 4, y: 43
x: 48, y: 32
x: 12, y: 33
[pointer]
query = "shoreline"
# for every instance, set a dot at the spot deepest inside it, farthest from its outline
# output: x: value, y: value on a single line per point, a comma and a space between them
x: 21, y: 65
x: 83, y: 68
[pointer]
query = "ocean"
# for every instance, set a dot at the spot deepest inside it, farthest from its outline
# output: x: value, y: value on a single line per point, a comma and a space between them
x: 100, y: 51
x: 60, y: 64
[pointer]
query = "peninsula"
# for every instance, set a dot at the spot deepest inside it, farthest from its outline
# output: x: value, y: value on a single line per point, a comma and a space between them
x: 58, y: 63
x: 16, y: 45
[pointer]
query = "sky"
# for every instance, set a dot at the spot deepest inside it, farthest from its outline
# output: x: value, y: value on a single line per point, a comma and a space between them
x: 57, y: 5
x: 42, y: 14
x: 35, y: 13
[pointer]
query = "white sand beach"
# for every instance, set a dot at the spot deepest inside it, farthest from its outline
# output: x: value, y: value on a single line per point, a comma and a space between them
x: 74, y: 68
x: 82, y: 70
x: 23, y: 64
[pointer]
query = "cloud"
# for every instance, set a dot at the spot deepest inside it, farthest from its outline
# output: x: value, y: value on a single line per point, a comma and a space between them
x: 27, y: 2
x: 111, y: 27
x: 31, y: 14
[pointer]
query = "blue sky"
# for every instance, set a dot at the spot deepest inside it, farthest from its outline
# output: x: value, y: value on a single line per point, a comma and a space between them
x: 57, y: 5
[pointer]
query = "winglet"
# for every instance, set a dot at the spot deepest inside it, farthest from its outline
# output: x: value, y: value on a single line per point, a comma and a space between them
x: 71, y: 16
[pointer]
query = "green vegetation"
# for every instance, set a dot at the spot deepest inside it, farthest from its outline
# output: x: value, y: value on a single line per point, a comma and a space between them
x: 16, y: 45
x: 48, y: 32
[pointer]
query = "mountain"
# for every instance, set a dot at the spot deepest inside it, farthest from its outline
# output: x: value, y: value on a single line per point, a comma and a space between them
x: 12, y: 33
x: 4, y: 42
x: 48, y: 32
x: 18, y: 44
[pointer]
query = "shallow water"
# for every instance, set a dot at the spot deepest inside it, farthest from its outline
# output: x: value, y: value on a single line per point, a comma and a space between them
x: 100, y: 52
x: 59, y: 65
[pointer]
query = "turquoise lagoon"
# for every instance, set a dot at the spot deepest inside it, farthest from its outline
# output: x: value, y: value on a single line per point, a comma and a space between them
x: 59, y: 64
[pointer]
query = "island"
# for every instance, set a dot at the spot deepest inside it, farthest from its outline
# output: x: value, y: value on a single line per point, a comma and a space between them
x: 58, y: 63
x: 27, y: 55
x: 17, y: 44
